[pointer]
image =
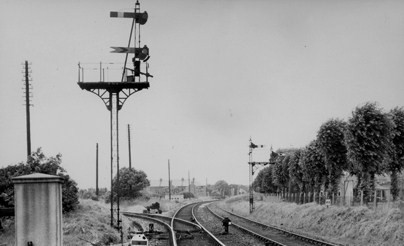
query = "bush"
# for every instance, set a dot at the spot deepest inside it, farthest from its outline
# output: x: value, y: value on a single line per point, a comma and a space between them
x: 188, y: 195
x: 38, y: 163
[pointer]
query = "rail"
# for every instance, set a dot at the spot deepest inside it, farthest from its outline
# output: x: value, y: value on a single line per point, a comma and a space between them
x: 215, y: 239
x: 265, y: 239
x: 173, y: 241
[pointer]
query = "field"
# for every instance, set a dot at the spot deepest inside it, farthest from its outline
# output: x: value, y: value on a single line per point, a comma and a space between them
x: 343, y: 225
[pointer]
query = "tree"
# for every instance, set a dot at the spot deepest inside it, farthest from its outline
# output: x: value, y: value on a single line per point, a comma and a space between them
x: 280, y: 172
x: 331, y: 142
x: 295, y: 170
x: 368, y: 138
x: 396, y: 160
x: 263, y: 182
x: 131, y: 182
x: 222, y: 186
x: 257, y: 183
x: 38, y: 163
x: 267, y: 183
x: 313, y: 166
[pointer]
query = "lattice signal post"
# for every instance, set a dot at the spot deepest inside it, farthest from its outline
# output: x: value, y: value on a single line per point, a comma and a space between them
x: 115, y: 93
x: 253, y: 167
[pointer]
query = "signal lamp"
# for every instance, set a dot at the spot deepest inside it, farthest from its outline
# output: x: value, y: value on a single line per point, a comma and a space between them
x: 142, y: 53
x: 141, y: 18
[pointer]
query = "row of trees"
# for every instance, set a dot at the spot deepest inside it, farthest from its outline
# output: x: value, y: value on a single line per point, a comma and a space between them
x: 370, y: 143
x: 38, y: 163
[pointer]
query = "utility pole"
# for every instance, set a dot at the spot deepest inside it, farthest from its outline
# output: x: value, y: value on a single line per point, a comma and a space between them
x: 130, y: 150
x: 193, y: 184
x: 115, y: 93
x: 96, y: 172
x: 27, y: 77
x: 169, y: 181
x: 189, y: 183
x: 206, y: 187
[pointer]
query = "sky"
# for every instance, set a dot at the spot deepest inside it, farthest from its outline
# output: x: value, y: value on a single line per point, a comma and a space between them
x: 224, y: 71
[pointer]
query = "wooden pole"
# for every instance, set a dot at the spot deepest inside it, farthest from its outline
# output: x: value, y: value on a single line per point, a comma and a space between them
x: 96, y: 172
x: 169, y: 181
x: 27, y: 105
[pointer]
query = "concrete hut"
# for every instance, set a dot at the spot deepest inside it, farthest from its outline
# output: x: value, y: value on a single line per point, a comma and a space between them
x: 38, y: 210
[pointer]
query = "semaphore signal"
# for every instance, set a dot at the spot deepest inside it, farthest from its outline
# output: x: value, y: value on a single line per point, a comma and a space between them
x: 115, y: 93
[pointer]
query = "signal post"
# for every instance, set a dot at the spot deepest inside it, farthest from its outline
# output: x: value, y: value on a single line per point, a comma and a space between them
x: 115, y: 93
x: 253, y: 166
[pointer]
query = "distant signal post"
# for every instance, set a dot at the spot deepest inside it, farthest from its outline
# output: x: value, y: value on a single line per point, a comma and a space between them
x: 253, y: 167
x: 115, y: 93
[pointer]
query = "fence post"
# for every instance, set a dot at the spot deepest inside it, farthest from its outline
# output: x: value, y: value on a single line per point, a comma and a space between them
x: 375, y: 199
x: 361, y: 198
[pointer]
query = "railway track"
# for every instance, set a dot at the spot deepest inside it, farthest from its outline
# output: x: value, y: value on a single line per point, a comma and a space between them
x: 213, y: 223
x: 165, y: 235
x: 182, y: 220
x: 200, y: 224
x: 276, y: 235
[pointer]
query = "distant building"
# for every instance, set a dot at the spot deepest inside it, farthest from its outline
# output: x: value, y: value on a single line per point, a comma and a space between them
x: 160, y: 188
x: 175, y: 197
x: 242, y: 191
x: 349, y: 183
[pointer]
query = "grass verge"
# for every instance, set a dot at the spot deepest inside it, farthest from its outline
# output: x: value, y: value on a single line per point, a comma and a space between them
x: 343, y: 225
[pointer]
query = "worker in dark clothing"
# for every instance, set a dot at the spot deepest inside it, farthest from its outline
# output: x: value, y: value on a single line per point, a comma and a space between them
x: 226, y: 222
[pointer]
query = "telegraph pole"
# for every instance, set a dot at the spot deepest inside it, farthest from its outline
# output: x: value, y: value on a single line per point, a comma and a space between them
x: 130, y: 150
x: 206, y: 187
x: 189, y: 183
x: 115, y: 93
x: 169, y: 181
x: 27, y: 77
x: 96, y: 172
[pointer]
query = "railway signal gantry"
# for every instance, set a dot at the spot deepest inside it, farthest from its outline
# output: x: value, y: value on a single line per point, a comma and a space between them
x: 115, y: 93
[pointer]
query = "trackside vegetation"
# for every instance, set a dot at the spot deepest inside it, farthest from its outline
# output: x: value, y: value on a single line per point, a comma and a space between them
x: 38, y: 163
x: 369, y: 143
x: 359, y: 226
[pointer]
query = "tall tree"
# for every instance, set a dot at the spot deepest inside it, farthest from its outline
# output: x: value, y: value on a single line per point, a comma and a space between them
x: 396, y: 162
x: 131, y: 182
x: 331, y: 142
x: 280, y: 172
x: 257, y: 183
x: 368, y: 139
x: 267, y: 184
x: 313, y: 166
x: 295, y: 170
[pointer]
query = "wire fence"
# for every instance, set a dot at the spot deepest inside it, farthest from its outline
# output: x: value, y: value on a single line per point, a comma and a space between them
x: 373, y: 202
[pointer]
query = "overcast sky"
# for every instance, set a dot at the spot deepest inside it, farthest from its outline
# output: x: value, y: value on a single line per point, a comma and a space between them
x: 224, y: 71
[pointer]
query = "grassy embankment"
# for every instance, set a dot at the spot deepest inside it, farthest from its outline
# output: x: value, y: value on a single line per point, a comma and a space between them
x: 343, y: 225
